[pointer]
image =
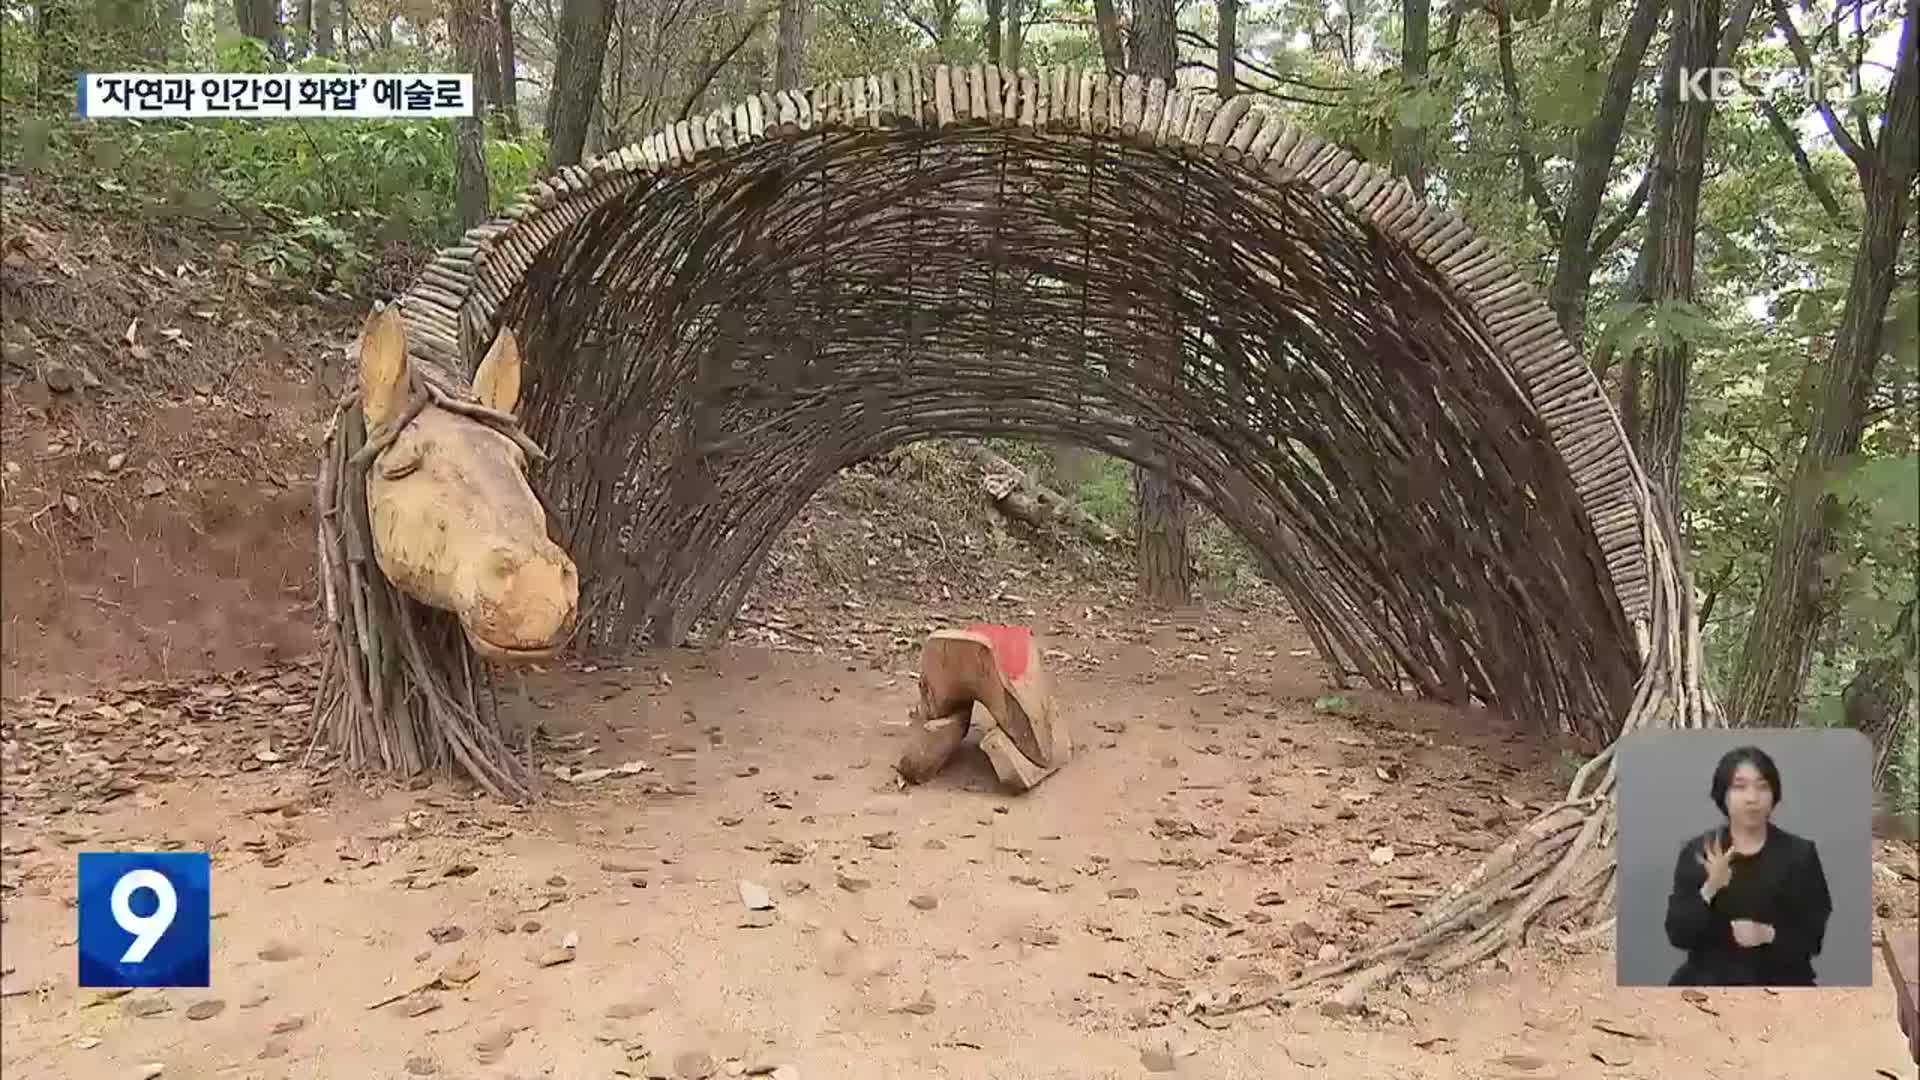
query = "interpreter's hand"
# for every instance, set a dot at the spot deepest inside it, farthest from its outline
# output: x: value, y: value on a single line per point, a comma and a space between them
x: 1748, y: 934
x: 1717, y: 859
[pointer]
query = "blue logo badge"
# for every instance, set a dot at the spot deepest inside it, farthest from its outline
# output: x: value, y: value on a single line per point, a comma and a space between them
x: 146, y: 918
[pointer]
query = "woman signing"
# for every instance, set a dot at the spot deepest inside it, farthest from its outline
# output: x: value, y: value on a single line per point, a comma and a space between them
x: 1750, y: 902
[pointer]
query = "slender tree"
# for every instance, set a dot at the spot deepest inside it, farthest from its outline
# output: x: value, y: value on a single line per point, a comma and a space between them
x: 1409, y: 137
x: 1778, y: 648
x: 475, y: 47
x: 467, y: 27
x: 323, y: 28
x: 1164, y: 574
x: 580, y: 48
x: 1878, y: 700
x: 1673, y: 212
x: 1595, y: 149
x: 1106, y: 23
x: 1226, y: 61
x: 506, y: 46
x: 260, y: 20
x: 789, y: 46
x: 990, y: 30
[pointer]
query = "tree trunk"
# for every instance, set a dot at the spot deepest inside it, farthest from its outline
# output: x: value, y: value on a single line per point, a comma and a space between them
x: 1673, y: 211
x: 58, y: 59
x: 1107, y: 23
x: 260, y: 20
x: 1593, y: 166
x: 789, y: 46
x: 1773, y: 660
x: 1153, y: 34
x: 323, y: 12
x: 1410, y: 140
x: 1226, y: 58
x: 479, y: 56
x: 1878, y: 700
x: 1164, y: 575
x: 505, y: 46
x: 1016, y: 37
x: 579, y: 52
x: 468, y: 28
x: 990, y: 30
x: 301, y: 43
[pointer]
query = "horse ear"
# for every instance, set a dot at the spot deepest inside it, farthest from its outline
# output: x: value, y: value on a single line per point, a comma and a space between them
x: 497, y: 383
x: 386, y: 374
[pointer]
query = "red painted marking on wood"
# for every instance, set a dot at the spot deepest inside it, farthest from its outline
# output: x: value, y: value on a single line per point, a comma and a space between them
x: 1011, y: 645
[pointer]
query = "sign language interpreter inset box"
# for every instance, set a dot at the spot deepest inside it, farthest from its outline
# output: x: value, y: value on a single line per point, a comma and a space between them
x: 1746, y: 858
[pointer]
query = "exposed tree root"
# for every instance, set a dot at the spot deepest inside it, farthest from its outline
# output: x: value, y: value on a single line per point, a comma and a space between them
x: 401, y: 690
x: 1559, y: 869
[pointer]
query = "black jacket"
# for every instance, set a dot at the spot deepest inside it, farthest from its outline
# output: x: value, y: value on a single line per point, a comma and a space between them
x: 1782, y: 885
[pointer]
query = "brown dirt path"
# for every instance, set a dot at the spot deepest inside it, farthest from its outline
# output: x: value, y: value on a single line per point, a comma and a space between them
x: 945, y: 931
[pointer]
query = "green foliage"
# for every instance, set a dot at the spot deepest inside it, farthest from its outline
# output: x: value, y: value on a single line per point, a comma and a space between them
x: 1669, y: 323
x: 1108, y: 494
x: 309, y: 247
x: 1887, y: 488
x: 328, y: 194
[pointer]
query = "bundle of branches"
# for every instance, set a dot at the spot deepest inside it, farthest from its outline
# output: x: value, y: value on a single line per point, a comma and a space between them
x: 401, y: 690
x: 1559, y: 870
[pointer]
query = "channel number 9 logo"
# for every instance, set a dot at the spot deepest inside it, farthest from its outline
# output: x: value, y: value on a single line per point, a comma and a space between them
x: 145, y: 919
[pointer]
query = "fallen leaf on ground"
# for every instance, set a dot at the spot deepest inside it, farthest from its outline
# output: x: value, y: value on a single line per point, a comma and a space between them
x: 923, y: 1006
x: 1614, y: 1028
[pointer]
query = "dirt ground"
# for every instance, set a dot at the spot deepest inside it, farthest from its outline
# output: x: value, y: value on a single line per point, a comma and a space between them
x: 1212, y: 834
x: 159, y: 405
x: 158, y: 419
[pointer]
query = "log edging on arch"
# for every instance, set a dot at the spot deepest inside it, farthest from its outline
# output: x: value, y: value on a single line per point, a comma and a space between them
x: 452, y: 309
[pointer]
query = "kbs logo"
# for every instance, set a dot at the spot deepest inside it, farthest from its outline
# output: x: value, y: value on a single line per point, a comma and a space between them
x: 146, y: 918
x: 1748, y: 84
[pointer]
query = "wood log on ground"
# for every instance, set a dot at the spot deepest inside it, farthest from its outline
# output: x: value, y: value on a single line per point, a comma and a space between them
x: 1019, y: 497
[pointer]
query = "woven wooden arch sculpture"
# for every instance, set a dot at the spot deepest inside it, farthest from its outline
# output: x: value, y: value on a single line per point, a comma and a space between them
x: 720, y: 317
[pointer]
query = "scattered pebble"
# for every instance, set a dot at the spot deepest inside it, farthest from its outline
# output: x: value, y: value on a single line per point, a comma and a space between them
x: 154, y: 1005
x: 755, y: 897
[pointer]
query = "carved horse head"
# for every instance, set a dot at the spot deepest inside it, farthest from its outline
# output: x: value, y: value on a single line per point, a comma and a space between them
x: 455, y: 525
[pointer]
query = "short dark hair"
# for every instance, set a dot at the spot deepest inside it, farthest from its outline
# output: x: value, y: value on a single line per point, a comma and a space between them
x: 1732, y: 760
